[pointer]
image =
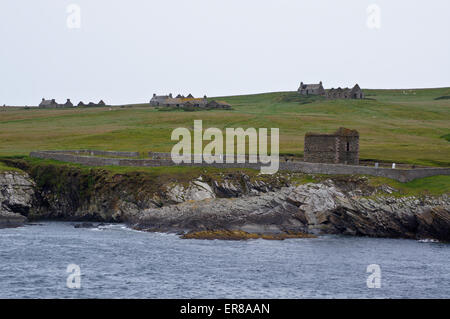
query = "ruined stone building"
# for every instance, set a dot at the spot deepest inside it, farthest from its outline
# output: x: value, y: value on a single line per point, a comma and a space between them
x: 160, y: 100
x: 339, y: 93
x: 341, y: 147
x: 311, y: 89
x: 180, y: 101
x: 48, y: 103
x: 53, y: 104
x: 346, y: 93
x: 100, y: 103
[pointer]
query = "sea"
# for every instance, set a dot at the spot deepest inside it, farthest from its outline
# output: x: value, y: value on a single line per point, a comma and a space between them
x: 57, y: 260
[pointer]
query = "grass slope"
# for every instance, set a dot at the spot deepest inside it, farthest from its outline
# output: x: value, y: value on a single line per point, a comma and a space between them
x: 395, y: 125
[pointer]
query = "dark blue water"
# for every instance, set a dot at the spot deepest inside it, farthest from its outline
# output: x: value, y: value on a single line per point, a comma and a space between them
x: 117, y: 262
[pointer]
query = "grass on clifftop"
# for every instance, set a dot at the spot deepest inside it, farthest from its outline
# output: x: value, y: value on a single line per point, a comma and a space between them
x: 402, y: 126
x: 6, y: 168
x: 434, y: 185
x: 156, y: 176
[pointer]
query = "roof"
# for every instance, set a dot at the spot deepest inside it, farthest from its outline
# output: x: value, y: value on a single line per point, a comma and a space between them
x: 160, y: 97
x: 173, y: 101
x: 311, y: 86
x: 48, y: 102
x: 342, y: 131
x: 356, y: 88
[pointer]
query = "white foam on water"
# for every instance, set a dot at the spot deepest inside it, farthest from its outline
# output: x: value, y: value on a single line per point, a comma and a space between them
x: 428, y: 240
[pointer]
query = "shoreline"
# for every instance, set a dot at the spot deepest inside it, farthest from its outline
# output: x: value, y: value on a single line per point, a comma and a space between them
x: 219, y: 204
x: 221, y: 233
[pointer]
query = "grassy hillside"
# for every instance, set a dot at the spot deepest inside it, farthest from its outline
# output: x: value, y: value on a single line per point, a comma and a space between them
x: 410, y: 126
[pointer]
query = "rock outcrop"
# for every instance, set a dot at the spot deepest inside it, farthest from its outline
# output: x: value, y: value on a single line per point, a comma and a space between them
x: 316, y: 208
x: 16, y: 198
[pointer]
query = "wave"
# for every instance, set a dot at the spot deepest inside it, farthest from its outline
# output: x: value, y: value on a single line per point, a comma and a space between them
x: 428, y: 240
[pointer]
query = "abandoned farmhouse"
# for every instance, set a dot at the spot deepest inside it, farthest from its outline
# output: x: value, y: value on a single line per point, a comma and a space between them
x: 339, y: 93
x: 53, y: 104
x: 341, y: 147
x: 100, y: 103
x: 180, y: 101
x: 311, y: 89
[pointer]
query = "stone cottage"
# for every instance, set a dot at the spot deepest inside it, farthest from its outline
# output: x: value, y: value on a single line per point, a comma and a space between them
x: 311, y: 89
x: 48, y: 103
x: 159, y: 100
x: 341, y: 147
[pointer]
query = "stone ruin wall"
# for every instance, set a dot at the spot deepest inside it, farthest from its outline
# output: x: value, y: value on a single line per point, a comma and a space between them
x: 322, y: 148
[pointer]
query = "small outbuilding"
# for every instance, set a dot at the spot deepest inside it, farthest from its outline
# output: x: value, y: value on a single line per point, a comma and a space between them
x: 341, y: 147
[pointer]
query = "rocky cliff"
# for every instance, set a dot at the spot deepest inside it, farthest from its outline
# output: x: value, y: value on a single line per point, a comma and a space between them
x: 316, y: 208
x: 232, y: 201
x: 16, y: 198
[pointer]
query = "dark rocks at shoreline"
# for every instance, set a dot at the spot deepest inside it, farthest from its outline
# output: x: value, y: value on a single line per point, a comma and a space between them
x: 88, y: 225
x: 84, y: 225
x: 321, y: 208
x: 242, y: 235
x: 435, y: 223
x: 11, y: 220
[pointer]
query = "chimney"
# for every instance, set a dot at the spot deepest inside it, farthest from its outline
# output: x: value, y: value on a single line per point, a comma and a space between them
x: 154, y: 94
x: 43, y: 99
x: 170, y: 95
x: 320, y: 82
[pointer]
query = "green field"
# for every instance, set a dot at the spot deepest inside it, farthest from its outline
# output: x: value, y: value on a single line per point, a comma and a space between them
x: 402, y: 126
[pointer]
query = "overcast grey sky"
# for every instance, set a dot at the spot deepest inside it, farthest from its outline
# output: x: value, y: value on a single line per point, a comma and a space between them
x: 125, y: 50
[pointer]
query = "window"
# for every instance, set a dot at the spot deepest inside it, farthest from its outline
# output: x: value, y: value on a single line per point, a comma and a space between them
x: 348, y: 147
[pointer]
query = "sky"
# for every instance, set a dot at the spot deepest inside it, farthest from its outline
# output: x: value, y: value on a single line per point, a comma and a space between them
x: 123, y: 51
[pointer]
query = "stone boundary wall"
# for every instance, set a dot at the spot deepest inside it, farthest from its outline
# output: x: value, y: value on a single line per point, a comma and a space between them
x: 402, y: 175
x: 159, y: 155
x: 168, y: 156
x: 96, y: 153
